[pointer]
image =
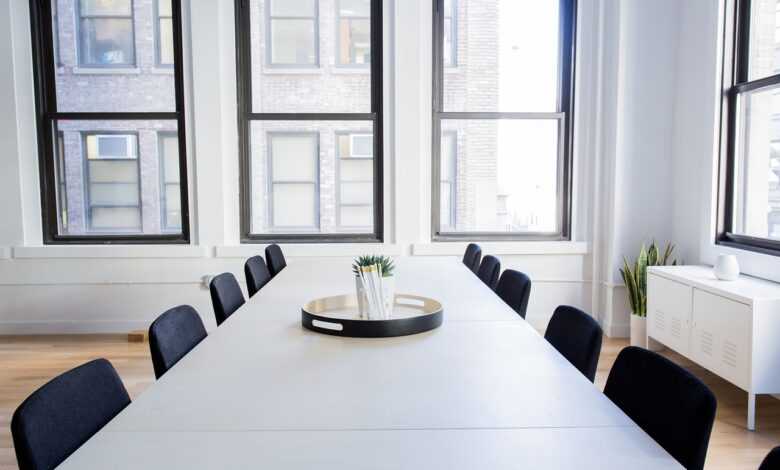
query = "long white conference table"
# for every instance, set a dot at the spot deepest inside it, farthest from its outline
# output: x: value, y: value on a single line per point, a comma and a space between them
x: 484, y: 390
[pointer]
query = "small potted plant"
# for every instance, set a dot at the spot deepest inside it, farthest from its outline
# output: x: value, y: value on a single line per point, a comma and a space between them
x: 386, y: 270
x: 635, y: 278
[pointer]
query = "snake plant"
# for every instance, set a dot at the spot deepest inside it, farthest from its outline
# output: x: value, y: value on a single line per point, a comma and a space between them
x: 635, y: 274
x: 385, y: 262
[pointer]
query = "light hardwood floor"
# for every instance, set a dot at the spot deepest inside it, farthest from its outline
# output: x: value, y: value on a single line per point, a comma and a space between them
x: 28, y: 362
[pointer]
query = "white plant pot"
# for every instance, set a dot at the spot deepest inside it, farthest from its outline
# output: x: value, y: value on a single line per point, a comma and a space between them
x: 638, y: 331
x: 388, y: 292
x: 726, y: 268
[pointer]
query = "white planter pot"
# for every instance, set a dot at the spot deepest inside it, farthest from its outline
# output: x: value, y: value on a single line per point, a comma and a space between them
x: 726, y: 268
x: 388, y: 288
x: 638, y: 331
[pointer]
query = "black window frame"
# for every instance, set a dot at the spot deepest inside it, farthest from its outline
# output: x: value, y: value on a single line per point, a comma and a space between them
x: 246, y: 116
x: 564, y: 115
x: 47, y: 116
x: 736, y: 82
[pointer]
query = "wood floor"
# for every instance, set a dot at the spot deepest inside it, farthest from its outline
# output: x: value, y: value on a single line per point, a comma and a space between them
x: 28, y: 362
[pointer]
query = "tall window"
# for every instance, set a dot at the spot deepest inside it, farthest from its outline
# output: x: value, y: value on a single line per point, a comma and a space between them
x: 113, y: 182
x: 106, y: 33
x: 111, y: 145
x: 292, y: 32
x: 164, y: 49
x: 509, y: 102
x: 310, y: 143
x: 354, y: 32
x: 750, y: 167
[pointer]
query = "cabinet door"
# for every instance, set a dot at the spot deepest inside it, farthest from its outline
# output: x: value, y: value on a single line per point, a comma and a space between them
x: 669, y: 312
x: 720, y: 336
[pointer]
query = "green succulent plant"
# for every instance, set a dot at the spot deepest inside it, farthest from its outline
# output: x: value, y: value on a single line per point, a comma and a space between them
x: 385, y: 262
x: 635, y: 274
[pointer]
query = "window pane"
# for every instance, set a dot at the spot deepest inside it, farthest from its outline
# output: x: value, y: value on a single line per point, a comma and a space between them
x: 295, y: 157
x: 764, y: 39
x: 307, y: 152
x: 509, y: 178
x: 355, y: 8
x: 106, y: 7
x: 165, y: 43
x: 107, y: 42
x: 299, y: 71
x: 293, y: 42
x: 446, y: 204
x: 356, y: 217
x: 356, y: 193
x: 448, y: 51
x: 295, y: 8
x: 355, y: 41
x: 294, y: 205
x: 508, y: 60
x: 169, y: 146
x: 757, y: 166
x: 164, y: 8
x: 110, y: 170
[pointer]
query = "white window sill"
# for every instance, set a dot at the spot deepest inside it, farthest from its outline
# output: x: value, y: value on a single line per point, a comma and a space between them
x: 110, y: 251
x: 106, y: 71
x: 503, y: 248
x: 298, y: 250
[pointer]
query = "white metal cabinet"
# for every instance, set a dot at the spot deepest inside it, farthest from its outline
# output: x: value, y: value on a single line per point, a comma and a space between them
x: 670, y: 320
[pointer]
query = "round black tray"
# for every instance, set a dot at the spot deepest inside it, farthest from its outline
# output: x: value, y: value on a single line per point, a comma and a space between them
x: 339, y: 316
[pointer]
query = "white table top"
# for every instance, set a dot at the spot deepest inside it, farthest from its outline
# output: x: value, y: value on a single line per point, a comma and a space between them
x: 484, y: 390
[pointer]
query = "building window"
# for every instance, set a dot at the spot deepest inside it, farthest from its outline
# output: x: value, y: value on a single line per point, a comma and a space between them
x: 311, y: 155
x: 750, y: 164
x: 448, y: 177
x: 354, y: 32
x: 164, y: 25
x: 55, y: 33
x: 292, y: 33
x: 502, y: 119
x: 106, y: 35
x: 450, y: 33
x: 113, y: 182
x: 105, y: 175
x: 294, y: 180
x: 168, y: 151
x: 355, y: 177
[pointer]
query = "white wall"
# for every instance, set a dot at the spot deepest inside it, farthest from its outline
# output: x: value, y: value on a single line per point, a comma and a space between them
x: 54, y: 289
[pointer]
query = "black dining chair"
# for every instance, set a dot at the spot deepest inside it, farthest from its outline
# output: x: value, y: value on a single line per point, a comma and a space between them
x: 275, y: 259
x: 63, y: 414
x: 226, y: 296
x: 577, y: 336
x: 514, y: 288
x: 489, y: 270
x: 671, y: 405
x: 257, y: 274
x: 772, y: 460
x: 172, y: 335
x: 472, y: 257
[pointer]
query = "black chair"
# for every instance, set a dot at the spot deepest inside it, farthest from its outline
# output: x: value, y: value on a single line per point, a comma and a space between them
x: 275, y: 259
x: 772, y: 460
x: 226, y: 296
x: 63, y: 414
x: 577, y: 336
x: 489, y: 270
x: 172, y: 335
x: 472, y: 257
x: 666, y: 401
x: 514, y: 288
x: 257, y: 274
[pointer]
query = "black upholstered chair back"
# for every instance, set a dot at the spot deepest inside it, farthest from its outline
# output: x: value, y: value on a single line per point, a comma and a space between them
x: 172, y: 335
x: 63, y: 414
x: 514, y: 288
x: 226, y: 296
x: 472, y: 257
x: 666, y: 401
x: 257, y: 274
x: 577, y: 336
x: 489, y: 270
x: 772, y: 460
x: 275, y: 259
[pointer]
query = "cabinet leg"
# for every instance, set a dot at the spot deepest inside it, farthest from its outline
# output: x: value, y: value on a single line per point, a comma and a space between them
x: 751, y: 412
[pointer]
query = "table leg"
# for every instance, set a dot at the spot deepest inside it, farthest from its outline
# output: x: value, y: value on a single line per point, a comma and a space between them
x: 751, y: 412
